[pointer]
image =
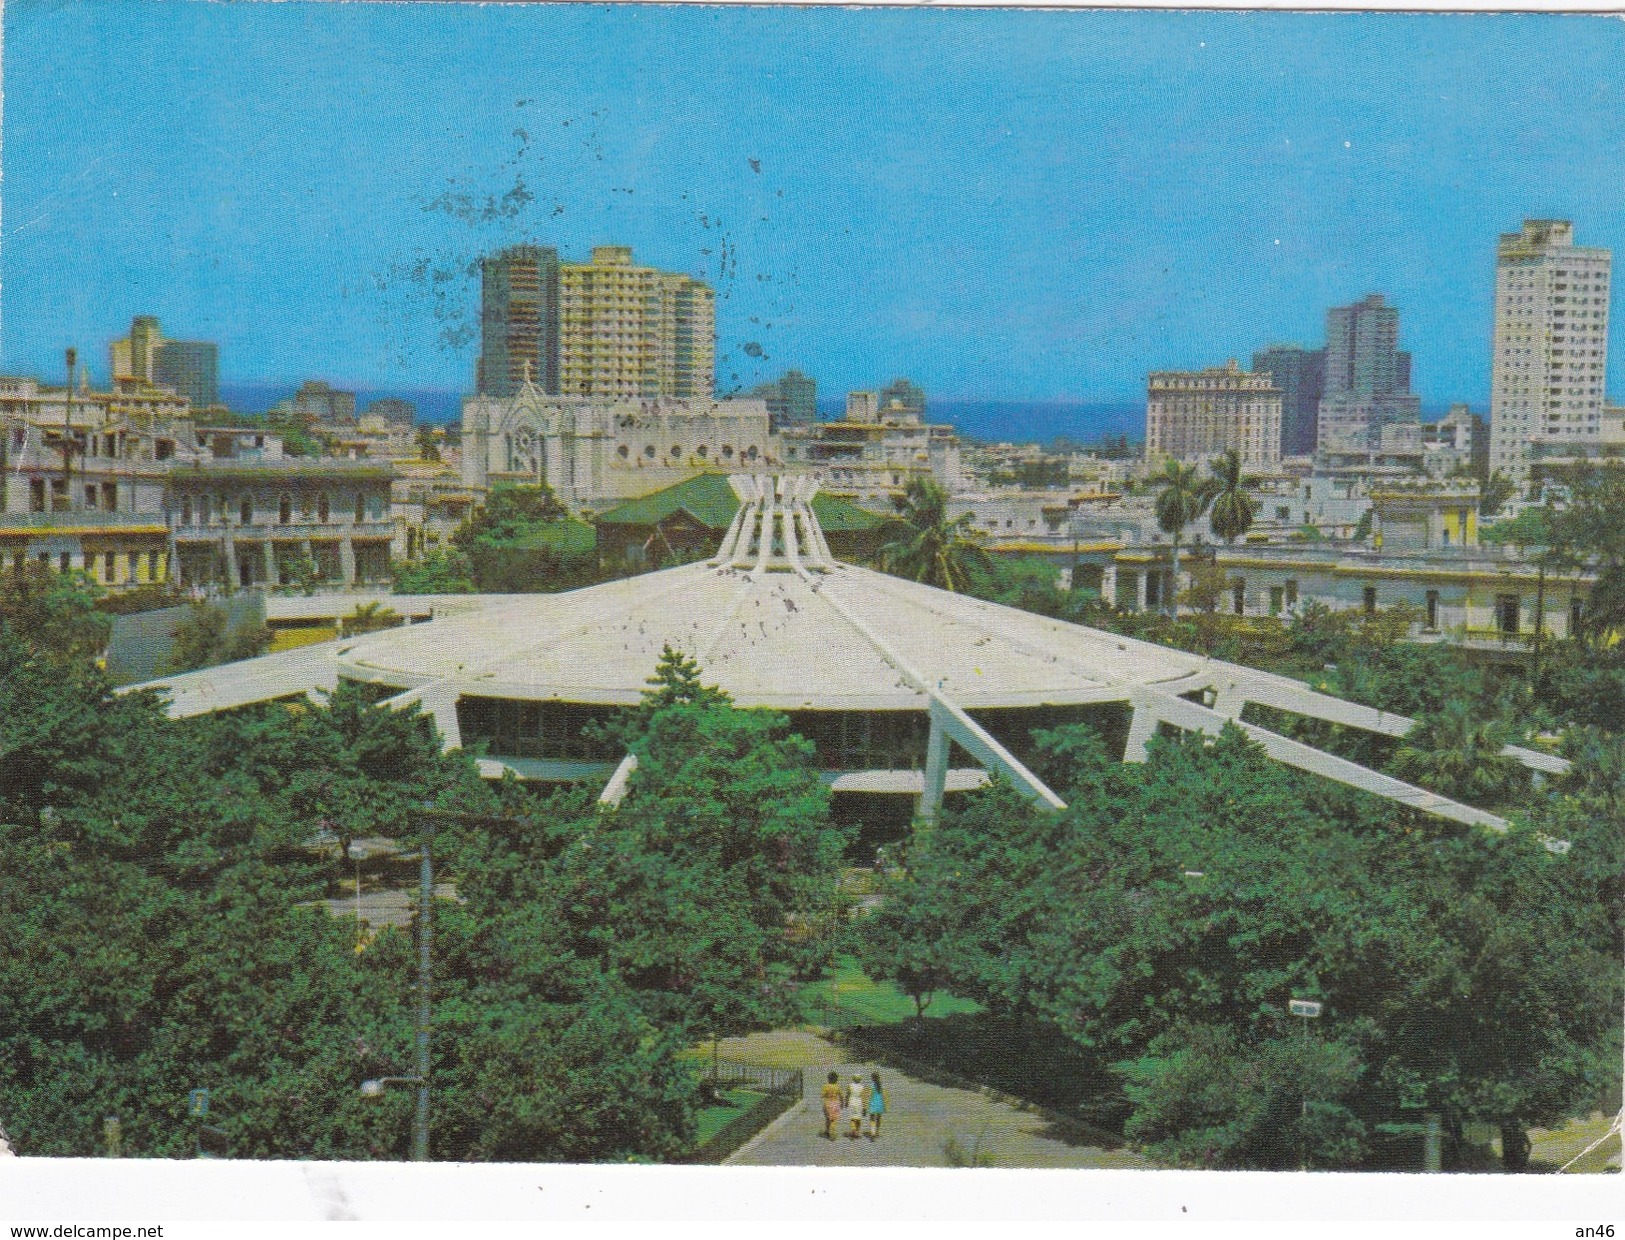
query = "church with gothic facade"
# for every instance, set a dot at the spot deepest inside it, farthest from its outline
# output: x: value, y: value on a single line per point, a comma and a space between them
x: 597, y: 451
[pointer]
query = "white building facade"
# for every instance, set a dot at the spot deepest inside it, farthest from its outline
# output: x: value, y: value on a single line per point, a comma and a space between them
x: 1195, y: 415
x: 1550, y: 361
x: 594, y: 452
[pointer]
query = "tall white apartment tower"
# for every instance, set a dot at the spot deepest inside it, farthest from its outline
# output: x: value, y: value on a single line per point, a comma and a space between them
x: 1551, y: 345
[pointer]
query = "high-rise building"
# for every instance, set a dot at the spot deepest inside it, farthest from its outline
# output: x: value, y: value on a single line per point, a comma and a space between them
x: 792, y: 401
x: 1301, y: 375
x: 1368, y: 380
x: 519, y: 320
x: 601, y: 328
x: 862, y: 406
x: 394, y: 411
x: 906, y: 397
x: 191, y: 368
x: 1195, y: 415
x: 1362, y: 349
x: 132, y: 357
x: 1551, y: 345
x: 317, y: 401
x: 627, y: 331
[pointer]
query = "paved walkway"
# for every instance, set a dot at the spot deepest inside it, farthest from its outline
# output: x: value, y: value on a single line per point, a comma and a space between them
x: 921, y: 1120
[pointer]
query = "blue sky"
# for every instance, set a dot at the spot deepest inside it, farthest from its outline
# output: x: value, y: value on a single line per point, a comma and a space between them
x: 998, y: 204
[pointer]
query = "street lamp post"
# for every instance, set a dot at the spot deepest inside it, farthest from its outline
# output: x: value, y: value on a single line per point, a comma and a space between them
x: 1307, y: 1010
x: 375, y: 1087
x: 420, y: 1127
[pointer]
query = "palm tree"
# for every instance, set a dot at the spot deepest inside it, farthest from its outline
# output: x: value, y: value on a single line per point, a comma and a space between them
x: 925, y: 545
x: 369, y: 618
x: 1233, y: 508
x: 1184, y: 497
x: 1457, y: 752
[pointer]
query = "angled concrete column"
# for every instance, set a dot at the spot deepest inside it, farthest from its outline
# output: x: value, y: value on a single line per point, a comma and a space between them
x: 440, y: 704
x: 1139, y: 591
x: 233, y: 576
x: 615, y: 790
x: 1141, y: 729
x: 936, y: 770
x: 347, y: 560
x: 1108, y: 585
x: 269, y: 551
x: 1229, y: 700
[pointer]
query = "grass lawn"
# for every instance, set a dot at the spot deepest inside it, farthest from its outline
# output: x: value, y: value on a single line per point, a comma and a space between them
x: 1557, y: 1146
x: 712, y: 1119
x: 301, y: 635
x: 849, y: 997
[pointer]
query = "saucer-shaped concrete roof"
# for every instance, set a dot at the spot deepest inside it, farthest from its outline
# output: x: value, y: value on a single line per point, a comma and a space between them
x: 846, y: 639
x: 775, y: 621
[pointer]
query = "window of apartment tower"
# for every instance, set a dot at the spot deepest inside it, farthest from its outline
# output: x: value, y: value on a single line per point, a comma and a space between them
x: 1433, y: 610
x: 360, y: 507
x: 110, y: 567
x: 186, y: 510
x: 323, y: 508
x: 1291, y: 593
x: 1369, y: 600
x: 131, y: 559
x: 245, y: 510
x: 284, y: 510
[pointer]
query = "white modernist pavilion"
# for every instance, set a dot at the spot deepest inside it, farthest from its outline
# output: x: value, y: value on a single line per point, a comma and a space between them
x: 888, y: 678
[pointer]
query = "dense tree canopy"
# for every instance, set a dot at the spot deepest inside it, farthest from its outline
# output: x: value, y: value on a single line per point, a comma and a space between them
x: 1165, y: 919
x: 165, y: 930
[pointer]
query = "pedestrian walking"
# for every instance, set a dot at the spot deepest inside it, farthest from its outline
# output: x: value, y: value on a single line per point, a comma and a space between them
x: 857, y: 1101
x: 831, y: 1097
x: 876, y: 1108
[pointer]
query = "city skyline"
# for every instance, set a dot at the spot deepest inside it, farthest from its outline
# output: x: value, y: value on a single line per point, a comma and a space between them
x: 1024, y: 236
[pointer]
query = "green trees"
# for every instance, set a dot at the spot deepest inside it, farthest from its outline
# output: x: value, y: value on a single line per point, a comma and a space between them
x: 1592, y: 526
x: 439, y: 572
x: 152, y: 945
x: 1233, y: 507
x: 1457, y: 751
x: 1498, y: 489
x: 924, y: 545
x: 369, y: 618
x: 205, y: 637
x: 524, y: 540
x: 55, y: 612
x: 1165, y: 919
x: 165, y: 931
x: 1182, y: 499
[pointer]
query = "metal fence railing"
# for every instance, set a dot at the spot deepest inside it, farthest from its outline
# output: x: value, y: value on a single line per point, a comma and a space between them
x: 781, y: 1089
x: 726, y: 1074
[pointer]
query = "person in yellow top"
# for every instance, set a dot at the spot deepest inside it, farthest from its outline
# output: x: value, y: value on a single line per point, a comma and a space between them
x: 831, y: 1095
